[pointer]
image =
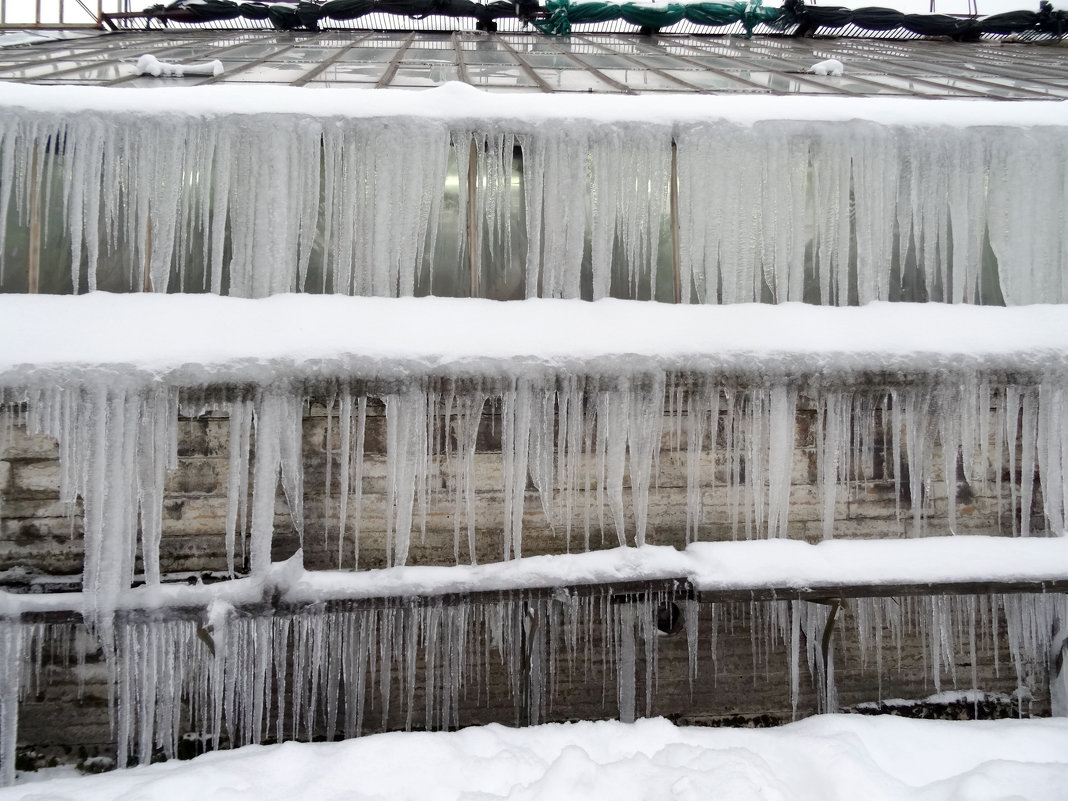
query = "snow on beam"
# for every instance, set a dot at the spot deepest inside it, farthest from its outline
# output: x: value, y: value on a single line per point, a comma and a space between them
x: 759, y: 570
x: 199, y: 340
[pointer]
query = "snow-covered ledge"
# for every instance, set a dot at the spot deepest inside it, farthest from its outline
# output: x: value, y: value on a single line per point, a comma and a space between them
x: 458, y: 103
x: 196, y: 340
x: 761, y: 569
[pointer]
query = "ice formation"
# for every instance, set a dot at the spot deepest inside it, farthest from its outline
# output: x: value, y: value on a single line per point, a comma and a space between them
x: 831, y: 212
x: 712, y: 211
x: 340, y: 670
x: 583, y: 442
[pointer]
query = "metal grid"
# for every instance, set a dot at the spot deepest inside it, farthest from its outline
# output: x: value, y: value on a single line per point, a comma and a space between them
x: 584, y: 62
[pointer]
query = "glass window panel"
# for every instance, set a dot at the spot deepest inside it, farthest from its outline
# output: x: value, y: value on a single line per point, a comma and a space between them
x: 497, y: 76
x: 347, y: 84
x: 711, y: 80
x: 778, y: 82
x: 430, y: 57
x: 550, y: 61
x: 644, y: 80
x: 603, y: 61
x: 349, y: 73
x: 252, y: 52
x: 488, y: 56
x: 424, y: 75
x: 38, y: 70
x: 574, y: 81
x: 270, y: 72
x: 368, y: 54
x: 305, y: 54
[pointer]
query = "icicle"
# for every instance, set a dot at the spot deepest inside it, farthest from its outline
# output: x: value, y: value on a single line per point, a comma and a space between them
x: 407, y: 458
x: 10, y: 668
x: 643, y: 441
x: 105, y: 434
x: 783, y: 415
x: 516, y: 411
x: 626, y: 662
x: 237, y: 482
x: 555, y: 164
x: 1052, y: 445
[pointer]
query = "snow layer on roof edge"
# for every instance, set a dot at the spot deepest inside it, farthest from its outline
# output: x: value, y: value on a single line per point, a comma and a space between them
x: 456, y: 103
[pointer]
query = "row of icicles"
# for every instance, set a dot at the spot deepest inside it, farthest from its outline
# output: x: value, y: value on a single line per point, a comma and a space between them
x: 785, y: 210
x: 344, y: 672
x: 590, y: 450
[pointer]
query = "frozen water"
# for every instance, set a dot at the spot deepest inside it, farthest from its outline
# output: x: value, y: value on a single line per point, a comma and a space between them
x: 792, y: 209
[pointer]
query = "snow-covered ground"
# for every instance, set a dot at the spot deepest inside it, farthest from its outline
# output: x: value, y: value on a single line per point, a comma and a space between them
x: 828, y: 758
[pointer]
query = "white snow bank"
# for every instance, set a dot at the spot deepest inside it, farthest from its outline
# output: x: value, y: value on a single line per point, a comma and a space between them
x: 459, y: 103
x: 828, y: 758
x: 192, y: 339
x: 710, y: 566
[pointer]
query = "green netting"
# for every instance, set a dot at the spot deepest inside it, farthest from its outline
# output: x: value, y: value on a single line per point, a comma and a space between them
x: 652, y: 16
x: 563, y: 14
x: 715, y: 13
x: 560, y: 15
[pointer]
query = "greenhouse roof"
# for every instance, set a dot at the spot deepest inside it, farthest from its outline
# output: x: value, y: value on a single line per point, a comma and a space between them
x: 582, y: 62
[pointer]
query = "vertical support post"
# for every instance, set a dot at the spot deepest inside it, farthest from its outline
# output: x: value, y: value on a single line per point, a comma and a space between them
x: 472, y: 217
x: 33, y: 251
x: 676, y: 258
x: 37, y: 12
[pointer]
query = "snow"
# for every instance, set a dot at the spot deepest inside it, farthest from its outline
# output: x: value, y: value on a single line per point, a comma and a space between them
x: 709, y: 566
x: 459, y: 104
x: 831, y: 66
x: 134, y: 339
x: 826, y: 758
x: 151, y: 65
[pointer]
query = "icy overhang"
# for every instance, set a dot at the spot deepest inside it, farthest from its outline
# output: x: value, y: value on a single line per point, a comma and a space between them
x: 198, y: 340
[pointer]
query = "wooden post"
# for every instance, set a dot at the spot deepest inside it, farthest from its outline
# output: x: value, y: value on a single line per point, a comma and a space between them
x: 33, y: 251
x: 472, y: 217
x: 676, y: 258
